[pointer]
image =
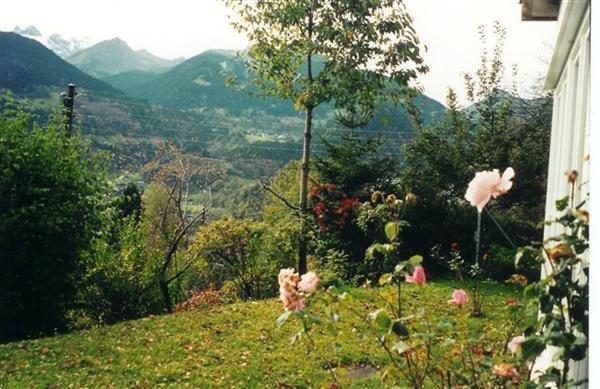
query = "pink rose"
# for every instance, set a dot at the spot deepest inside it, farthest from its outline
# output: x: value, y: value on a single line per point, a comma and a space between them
x: 506, y: 370
x: 488, y: 184
x: 286, y: 297
x: 288, y: 278
x: 418, y: 276
x: 298, y: 305
x: 459, y: 298
x: 515, y: 344
x: 292, y: 301
x: 308, y: 282
x: 293, y: 288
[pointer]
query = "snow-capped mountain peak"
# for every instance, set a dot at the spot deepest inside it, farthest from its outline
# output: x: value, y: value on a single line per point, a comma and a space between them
x: 62, y: 46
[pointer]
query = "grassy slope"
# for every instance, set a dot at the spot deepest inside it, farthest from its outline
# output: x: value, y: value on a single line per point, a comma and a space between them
x: 236, y: 345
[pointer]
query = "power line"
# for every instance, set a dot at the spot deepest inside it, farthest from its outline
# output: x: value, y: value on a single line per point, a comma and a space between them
x: 316, y: 147
x: 196, y: 124
x: 286, y: 146
x: 205, y: 116
x: 400, y: 136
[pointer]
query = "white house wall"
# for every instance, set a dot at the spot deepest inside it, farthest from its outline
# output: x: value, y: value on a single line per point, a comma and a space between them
x: 570, y: 139
x: 569, y: 77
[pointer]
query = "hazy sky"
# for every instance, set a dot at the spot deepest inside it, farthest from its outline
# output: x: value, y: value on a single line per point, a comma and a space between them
x: 176, y: 28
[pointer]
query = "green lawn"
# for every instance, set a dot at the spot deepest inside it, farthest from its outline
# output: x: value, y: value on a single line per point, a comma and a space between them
x: 236, y: 345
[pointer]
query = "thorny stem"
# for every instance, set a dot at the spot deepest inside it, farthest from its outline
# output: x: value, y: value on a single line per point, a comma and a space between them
x: 381, y: 341
x: 441, y: 382
x: 462, y: 360
x: 393, y: 359
x: 429, y: 329
x: 572, y: 194
x: 412, y: 375
x: 531, y: 369
x: 511, y: 333
x: 549, y: 261
x: 476, y: 302
x: 477, y: 238
x: 475, y: 378
x: 399, y: 300
x: 428, y: 346
x: 388, y: 351
x: 565, y: 376
x: 314, y: 347
x: 566, y: 317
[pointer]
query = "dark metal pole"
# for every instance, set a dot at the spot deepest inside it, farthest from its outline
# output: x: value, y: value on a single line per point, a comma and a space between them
x: 68, y: 102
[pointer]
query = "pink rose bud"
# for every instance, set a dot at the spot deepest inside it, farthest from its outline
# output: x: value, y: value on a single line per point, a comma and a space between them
x: 515, y: 344
x: 418, y: 276
x: 459, y: 298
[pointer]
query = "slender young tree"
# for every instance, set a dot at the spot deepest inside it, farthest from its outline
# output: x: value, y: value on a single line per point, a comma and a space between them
x: 174, y: 222
x: 354, y: 54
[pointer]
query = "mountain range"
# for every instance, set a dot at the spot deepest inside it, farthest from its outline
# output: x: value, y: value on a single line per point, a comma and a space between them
x: 102, y: 59
x: 189, y: 102
x: 114, y: 56
x: 197, y: 83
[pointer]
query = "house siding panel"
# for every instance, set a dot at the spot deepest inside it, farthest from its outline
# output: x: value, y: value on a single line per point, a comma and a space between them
x: 570, y: 139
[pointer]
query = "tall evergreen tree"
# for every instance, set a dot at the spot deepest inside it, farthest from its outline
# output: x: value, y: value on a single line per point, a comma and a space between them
x: 130, y: 204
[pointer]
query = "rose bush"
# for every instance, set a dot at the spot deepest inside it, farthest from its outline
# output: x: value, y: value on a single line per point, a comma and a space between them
x: 427, y: 347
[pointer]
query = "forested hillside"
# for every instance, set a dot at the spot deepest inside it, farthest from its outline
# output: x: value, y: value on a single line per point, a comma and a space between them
x: 200, y: 83
x: 130, y: 80
x: 27, y: 66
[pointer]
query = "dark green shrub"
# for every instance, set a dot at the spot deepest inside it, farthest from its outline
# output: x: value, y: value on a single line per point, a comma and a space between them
x: 121, y: 284
x: 499, y: 265
x: 52, y: 202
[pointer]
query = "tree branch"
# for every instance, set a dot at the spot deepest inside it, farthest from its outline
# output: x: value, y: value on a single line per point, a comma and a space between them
x: 163, y: 219
x: 280, y: 197
x: 175, y: 242
x: 179, y: 273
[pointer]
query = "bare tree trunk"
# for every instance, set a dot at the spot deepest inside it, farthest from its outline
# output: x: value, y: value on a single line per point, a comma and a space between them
x: 303, y: 244
x: 164, y: 282
x: 164, y: 289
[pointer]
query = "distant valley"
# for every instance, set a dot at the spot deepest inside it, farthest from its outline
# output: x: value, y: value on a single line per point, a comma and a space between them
x: 130, y: 99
